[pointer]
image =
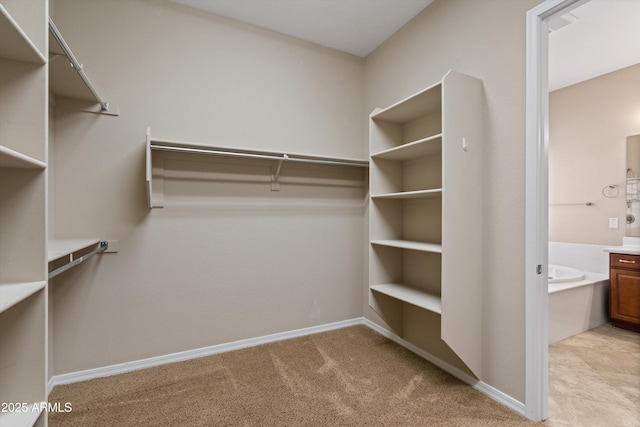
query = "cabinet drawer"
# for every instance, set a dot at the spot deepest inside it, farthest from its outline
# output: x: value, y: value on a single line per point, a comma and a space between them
x: 631, y: 262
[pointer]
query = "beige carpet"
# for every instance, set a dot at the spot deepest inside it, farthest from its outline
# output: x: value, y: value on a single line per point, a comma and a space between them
x: 349, y: 377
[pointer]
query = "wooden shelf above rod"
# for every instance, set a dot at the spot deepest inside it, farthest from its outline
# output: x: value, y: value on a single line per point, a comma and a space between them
x: 73, y: 252
x: 156, y: 144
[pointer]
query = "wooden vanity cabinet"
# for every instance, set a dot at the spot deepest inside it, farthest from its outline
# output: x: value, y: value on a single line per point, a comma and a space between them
x: 624, y: 299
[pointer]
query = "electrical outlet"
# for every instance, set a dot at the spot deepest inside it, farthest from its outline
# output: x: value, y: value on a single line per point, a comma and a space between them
x: 613, y: 222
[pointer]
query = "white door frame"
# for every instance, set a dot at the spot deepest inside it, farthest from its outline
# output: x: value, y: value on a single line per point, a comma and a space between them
x: 537, y: 205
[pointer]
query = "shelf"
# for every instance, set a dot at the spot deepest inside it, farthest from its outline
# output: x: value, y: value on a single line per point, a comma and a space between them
x: 68, y: 79
x: 22, y: 419
x: 418, y: 194
x: 198, y: 148
x: 61, y: 248
x: 12, y: 159
x: 411, y: 295
x: 408, y: 244
x: 12, y: 293
x: 64, y: 80
x: 77, y: 251
x: 23, y: 215
x: 14, y: 43
x: 276, y: 161
x: 423, y: 147
x: 421, y: 104
x: 426, y: 154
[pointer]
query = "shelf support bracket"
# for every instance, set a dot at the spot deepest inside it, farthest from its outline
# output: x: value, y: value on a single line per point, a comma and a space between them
x: 275, y: 175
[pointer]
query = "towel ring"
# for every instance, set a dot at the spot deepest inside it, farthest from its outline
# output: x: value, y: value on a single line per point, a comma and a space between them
x: 610, y: 191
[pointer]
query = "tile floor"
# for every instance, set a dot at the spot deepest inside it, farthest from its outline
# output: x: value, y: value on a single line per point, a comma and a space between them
x: 594, y: 379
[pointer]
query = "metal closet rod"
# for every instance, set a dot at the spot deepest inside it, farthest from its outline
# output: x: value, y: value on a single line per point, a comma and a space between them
x: 283, y: 157
x: 102, y: 246
x: 572, y: 204
x: 104, y: 106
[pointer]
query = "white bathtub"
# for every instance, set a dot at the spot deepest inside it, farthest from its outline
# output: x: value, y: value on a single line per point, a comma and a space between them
x: 562, y: 274
x: 578, y: 299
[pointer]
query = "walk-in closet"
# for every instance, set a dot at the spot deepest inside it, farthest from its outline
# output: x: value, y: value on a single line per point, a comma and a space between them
x: 177, y: 183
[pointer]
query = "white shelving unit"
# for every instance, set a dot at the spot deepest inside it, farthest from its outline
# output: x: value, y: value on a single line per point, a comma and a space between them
x: 15, y: 43
x: 23, y: 282
x: 24, y: 250
x: 426, y: 211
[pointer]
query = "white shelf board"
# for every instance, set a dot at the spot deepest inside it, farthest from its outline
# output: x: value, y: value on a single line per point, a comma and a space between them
x: 64, y: 79
x: 13, y: 159
x: 27, y: 418
x: 423, y: 147
x: 70, y: 89
x: 418, y: 194
x: 59, y: 248
x: 408, y: 244
x: 12, y: 293
x: 14, y: 43
x: 411, y: 295
x: 413, y: 107
x: 155, y: 142
x: 154, y: 181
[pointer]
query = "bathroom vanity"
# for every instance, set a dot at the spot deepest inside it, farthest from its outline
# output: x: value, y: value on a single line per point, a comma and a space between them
x: 624, y: 299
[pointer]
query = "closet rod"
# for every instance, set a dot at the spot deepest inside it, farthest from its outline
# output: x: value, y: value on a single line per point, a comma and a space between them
x: 362, y: 164
x: 572, y: 204
x: 102, y: 246
x: 104, y: 106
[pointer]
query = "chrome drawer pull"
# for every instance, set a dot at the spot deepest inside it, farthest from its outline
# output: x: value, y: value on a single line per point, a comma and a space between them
x: 624, y: 261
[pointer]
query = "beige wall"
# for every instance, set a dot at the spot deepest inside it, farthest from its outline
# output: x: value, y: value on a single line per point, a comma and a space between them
x: 205, y: 269
x: 485, y: 39
x: 633, y: 156
x: 589, y: 123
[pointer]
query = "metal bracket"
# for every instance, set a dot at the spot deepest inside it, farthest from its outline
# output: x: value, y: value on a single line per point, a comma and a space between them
x: 275, y: 175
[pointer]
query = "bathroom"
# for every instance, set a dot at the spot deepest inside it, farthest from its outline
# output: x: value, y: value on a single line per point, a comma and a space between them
x: 594, y: 159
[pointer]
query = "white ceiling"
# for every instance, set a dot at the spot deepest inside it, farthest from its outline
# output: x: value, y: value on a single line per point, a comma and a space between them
x: 605, y: 37
x: 353, y: 26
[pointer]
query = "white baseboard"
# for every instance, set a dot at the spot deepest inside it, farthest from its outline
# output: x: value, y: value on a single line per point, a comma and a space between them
x: 482, y: 387
x: 463, y: 376
x: 501, y: 397
x: 122, y: 368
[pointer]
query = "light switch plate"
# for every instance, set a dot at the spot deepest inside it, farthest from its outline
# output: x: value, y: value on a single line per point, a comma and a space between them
x: 613, y: 222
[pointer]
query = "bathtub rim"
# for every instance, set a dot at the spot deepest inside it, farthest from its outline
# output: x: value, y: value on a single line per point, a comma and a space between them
x: 590, y: 278
x: 580, y: 274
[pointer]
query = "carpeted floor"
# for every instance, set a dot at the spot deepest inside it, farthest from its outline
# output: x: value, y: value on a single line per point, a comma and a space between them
x: 347, y: 377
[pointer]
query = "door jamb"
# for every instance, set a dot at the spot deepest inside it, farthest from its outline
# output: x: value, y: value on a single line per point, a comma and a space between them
x: 537, y: 204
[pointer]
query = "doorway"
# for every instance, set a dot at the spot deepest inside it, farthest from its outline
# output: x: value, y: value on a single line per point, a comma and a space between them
x: 536, y: 197
x: 537, y: 185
